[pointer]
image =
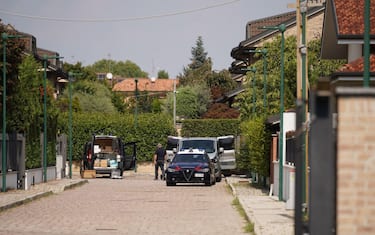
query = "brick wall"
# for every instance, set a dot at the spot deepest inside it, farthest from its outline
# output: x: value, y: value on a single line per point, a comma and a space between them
x: 356, y: 164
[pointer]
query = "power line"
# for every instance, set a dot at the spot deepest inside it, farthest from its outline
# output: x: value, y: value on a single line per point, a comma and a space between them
x: 17, y: 14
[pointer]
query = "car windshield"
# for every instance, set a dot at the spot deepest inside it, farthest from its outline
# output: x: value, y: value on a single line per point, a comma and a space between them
x: 190, y: 158
x: 207, y: 145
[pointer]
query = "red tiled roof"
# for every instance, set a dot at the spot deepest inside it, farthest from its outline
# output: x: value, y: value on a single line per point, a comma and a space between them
x: 358, y: 65
x: 350, y: 15
x: 145, y: 84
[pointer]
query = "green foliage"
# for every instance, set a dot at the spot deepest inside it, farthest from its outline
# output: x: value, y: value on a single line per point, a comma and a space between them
x: 151, y: 129
x: 199, y: 56
x: 28, y: 99
x: 14, y: 56
x: 92, y: 96
x: 210, y: 127
x: 118, y: 102
x: 80, y: 72
x: 163, y: 74
x: 190, y: 77
x: 26, y: 115
x: 317, y: 68
x: 220, y: 83
x: 191, y: 101
x: 255, y: 147
x: 127, y: 69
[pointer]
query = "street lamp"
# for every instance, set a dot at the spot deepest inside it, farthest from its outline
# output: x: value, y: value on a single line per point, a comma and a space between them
x: 136, y: 104
x: 282, y: 29
x: 5, y: 37
x: 264, y: 56
x: 45, y: 59
x: 174, y: 102
x: 71, y: 79
x: 253, y: 70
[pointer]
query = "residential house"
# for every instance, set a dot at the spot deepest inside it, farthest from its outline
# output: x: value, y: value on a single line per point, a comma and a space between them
x: 342, y: 132
x: 55, y: 73
x: 256, y: 37
x: 154, y: 87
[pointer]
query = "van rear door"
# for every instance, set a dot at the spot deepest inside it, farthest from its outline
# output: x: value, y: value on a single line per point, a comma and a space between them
x: 228, y: 157
x: 172, y: 143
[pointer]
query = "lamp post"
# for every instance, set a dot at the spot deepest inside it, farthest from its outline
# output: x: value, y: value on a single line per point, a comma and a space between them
x: 282, y: 29
x: 174, y: 103
x: 45, y: 59
x: 71, y: 79
x: 136, y: 104
x: 264, y: 57
x: 5, y: 37
x: 136, y: 113
x: 253, y: 70
x: 70, y: 124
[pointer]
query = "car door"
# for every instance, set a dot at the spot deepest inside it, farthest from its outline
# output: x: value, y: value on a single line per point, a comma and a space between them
x: 172, y: 143
x: 130, y: 154
x: 228, y: 156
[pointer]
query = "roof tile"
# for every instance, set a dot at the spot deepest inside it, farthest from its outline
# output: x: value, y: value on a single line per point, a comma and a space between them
x: 358, y: 65
x: 145, y: 84
x: 350, y: 15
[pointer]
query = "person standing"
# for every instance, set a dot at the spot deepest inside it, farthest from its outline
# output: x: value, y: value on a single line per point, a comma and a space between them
x: 159, y: 158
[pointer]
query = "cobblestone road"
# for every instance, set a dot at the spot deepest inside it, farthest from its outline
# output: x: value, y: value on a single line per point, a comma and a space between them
x: 134, y: 205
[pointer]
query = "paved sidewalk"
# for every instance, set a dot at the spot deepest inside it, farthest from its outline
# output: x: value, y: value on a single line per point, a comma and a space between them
x: 267, y: 213
x: 14, y: 198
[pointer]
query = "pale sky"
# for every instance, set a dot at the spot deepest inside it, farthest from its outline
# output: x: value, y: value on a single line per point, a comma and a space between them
x: 154, y: 34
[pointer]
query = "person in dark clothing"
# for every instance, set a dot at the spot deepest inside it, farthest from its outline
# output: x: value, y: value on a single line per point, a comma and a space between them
x: 159, y: 158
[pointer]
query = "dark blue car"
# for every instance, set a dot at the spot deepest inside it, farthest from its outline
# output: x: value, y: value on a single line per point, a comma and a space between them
x: 191, y: 166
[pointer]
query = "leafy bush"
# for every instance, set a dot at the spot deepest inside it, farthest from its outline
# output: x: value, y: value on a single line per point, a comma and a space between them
x: 210, y: 127
x: 255, y: 148
x: 151, y: 129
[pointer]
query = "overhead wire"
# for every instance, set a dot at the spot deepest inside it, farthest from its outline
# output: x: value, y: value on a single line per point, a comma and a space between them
x: 76, y: 20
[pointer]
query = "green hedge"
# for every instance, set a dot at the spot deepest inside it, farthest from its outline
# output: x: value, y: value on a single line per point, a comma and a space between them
x: 255, y: 148
x: 210, y: 127
x: 151, y: 129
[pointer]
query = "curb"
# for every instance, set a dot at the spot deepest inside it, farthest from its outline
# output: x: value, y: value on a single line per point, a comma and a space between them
x: 39, y: 195
x: 25, y: 200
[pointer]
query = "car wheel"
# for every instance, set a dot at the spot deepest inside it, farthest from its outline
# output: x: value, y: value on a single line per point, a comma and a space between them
x: 218, y: 179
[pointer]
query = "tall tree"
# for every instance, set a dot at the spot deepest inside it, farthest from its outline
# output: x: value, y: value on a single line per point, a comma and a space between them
x: 163, y: 74
x: 28, y: 99
x: 14, y: 55
x: 199, y: 56
x: 82, y: 73
x: 127, y: 69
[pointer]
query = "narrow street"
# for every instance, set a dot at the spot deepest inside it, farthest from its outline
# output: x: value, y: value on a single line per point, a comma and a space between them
x: 134, y: 205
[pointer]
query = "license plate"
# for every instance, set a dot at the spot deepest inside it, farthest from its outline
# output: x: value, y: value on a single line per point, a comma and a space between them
x: 199, y: 175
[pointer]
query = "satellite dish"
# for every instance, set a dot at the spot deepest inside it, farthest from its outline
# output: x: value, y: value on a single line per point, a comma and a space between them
x: 109, y: 76
x: 153, y: 79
